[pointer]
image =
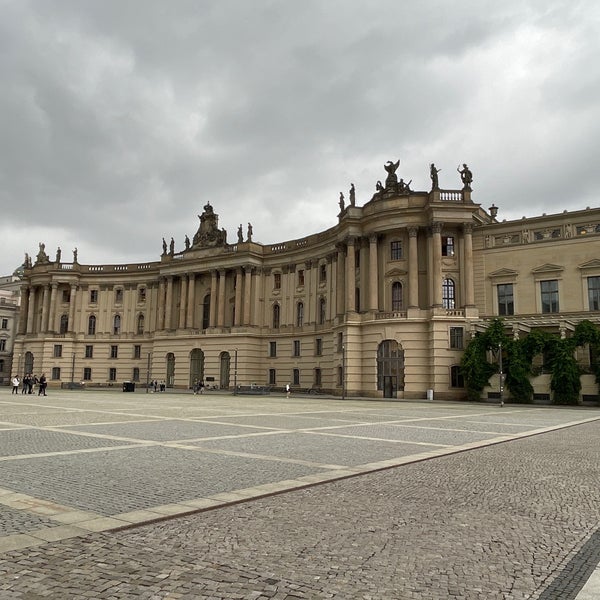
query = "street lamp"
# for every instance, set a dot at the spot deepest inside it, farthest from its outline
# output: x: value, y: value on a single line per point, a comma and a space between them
x: 501, y: 374
x: 343, y: 371
x: 235, y: 372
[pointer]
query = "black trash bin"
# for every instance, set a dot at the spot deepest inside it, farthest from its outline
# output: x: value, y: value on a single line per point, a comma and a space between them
x: 128, y: 386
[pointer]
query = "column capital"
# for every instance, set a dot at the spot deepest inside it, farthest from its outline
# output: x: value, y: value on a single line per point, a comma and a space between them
x: 413, y: 231
x: 436, y: 227
x: 467, y: 228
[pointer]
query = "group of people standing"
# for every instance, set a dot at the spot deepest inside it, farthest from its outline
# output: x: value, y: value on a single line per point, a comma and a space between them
x: 28, y: 384
x: 198, y: 387
x: 158, y: 386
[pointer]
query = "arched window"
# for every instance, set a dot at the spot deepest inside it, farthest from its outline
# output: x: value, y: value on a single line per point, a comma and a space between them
x: 92, y: 325
x: 390, y: 368
x: 117, y: 324
x: 322, y: 312
x: 64, y: 323
x: 276, y: 315
x: 140, y: 323
x: 456, y: 377
x: 397, y: 301
x: 300, y: 314
x: 448, y: 294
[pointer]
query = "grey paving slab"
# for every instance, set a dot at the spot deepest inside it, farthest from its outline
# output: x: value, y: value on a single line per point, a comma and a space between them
x: 66, y: 419
x: 139, y: 478
x: 167, y: 430
x: 35, y: 441
x: 291, y: 421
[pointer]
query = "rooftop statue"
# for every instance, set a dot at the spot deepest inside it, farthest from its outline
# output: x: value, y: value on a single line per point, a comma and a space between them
x: 352, y: 194
x: 209, y: 234
x: 240, y: 234
x: 391, y: 180
x: 341, y: 202
x: 466, y: 176
x: 249, y: 232
x: 434, y: 177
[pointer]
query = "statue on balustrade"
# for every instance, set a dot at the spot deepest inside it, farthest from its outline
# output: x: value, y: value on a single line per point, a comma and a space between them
x: 249, y: 232
x: 172, y: 247
x: 435, y: 185
x: 352, y: 194
x: 58, y: 254
x: 466, y: 176
x: 240, y: 234
x: 391, y: 181
x: 187, y: 242
x: 42, y: 258
x: 341, y: 202
x: 164, y: 246
x: 209, y: 234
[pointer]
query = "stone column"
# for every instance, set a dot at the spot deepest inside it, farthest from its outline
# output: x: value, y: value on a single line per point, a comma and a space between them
x: 52, y: 313
x: 247, y: 295
x: 467, y: 267
x: 169, y: 303
x: 212, y: 321
x: 221, y: 306
x: 413, y: 268
x: 30, y: 310
x: 331, y: 307
x: 191, y: 300
x: 23, y: 309
x: 340, y: 281
x: 350, y: 276
x: 182, y: 301
x: 72, y: 303
x: 45, y: 307
x: 238, y: 311
x: 161, y: 304
x: 258, y: 308
x: 435, y: 280
x: 373, y: 274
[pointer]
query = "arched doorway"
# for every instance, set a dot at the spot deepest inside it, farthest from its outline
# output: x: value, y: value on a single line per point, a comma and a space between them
x: 170, y: 370
x: 390, y: 368
x: 196, y: 366
x: 225, y: 361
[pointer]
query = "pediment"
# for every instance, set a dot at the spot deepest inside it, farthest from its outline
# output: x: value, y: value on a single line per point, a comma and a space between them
x: 504, y: 273
x: 547, y: 268
x: 590, y: 264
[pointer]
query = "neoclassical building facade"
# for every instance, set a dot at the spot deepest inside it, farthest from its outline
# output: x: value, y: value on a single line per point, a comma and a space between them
x: 380, y: 305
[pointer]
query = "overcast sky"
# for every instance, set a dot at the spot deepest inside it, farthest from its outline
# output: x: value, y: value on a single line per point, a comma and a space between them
x: 121, y: 119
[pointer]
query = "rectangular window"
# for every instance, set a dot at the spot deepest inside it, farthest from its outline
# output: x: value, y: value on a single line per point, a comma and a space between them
x: 93, y: 296
x: 57, y: 350
x: 593, y: 293
x: 447, y: 245
x: 318, y: 377
x: 456, y: 377
x: 112, y: 374
x: 506, y: 303
x: 296, y: 347
x: 456, y: 338
x: 89, y: 351
x: 119, y: 295
x: 137, y: 351
x: 55, y: 373
x: 142, y: 294
x: 340, y: 341
x: 322, y: 273
x: 2, y: 345
x: 318, y: 347
x: 114, y: 351
x: 4, y: 323
x: 87, y: 374
x: 549, y: 291
x: 272, y: 379
x: 395, y: 250
x: 301, y: 277
x: 66, y: 296
x: 296, y: 377
x: 277, y: 281
x: 272, y: 349
x: 136, y: 374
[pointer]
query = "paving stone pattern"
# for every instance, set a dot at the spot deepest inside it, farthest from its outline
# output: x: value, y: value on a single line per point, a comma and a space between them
x: 510, y: 521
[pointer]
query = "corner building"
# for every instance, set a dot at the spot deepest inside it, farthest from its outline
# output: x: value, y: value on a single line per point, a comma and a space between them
x: 380, y: 305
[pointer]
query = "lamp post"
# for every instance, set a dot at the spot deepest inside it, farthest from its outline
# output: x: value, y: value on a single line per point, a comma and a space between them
x: 148, y: 373
x: 343, y: 371
x: 73, y: 371
x: 501, y: 374
x: 235, y: 372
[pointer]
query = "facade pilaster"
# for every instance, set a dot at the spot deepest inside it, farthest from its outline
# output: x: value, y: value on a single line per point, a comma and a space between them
x: 351, y: 276
x: 238, y: 310
x: 247, y: 295
x: 212, y: 321
x: 182, y: 301
x: 435, y: 280
x: 373, y: 274
x: 413, y: 268
x: 72, y: 307
x: 169, y: 303
x: 221, y: 304
x: 340, y: 280
x: 191, y: 300
x: 161, y: 304
x: 45, y: 308
x: 467, y: 267
x: 23, y: 309
x: 30, y: 310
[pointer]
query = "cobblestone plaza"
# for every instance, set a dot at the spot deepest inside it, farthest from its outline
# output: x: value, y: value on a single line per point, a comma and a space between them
x: 128, y: 496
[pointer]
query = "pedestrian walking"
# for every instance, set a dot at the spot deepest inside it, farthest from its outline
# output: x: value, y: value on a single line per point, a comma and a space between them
x: 42, y: 385
x: 287, y: 390
x: 15, y: 384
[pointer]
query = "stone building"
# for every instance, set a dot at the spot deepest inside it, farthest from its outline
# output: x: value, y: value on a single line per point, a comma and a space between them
x: 379, y: 305
x: 9, y: 313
